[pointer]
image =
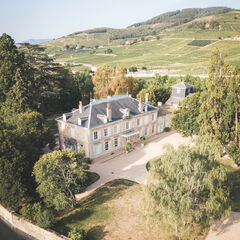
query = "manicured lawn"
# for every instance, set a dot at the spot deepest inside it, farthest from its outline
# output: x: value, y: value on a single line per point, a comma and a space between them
x: 96, y: 210
x: 112, y: 212
x: 234, y: 181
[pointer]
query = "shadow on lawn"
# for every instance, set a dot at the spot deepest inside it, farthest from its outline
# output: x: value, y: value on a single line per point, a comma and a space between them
x: 107, y: 192
x: 89, y: 205
x: 96, y: 233
x: 234, y: 179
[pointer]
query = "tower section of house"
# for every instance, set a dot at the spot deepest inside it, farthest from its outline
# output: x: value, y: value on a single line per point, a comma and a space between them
x: 106, y: 125
x: 179, y: 92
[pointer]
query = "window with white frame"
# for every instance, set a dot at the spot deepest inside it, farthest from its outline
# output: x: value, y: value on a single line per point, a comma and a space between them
x: 138, y: 122
x: 146, y: 131
x: 95, y: 135
x: 153, y: 129
x: 72, y: 132
x: 146, y: 120
x: 97, y: 149
x: 153, y: 117
x: 115, y: 142
x: 127, y: 125
x: 106, y: 146
x: 105, y: 132
x: 116, y: 129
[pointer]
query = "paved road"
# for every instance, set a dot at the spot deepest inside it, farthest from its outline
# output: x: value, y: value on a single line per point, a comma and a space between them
x: 7, y: 234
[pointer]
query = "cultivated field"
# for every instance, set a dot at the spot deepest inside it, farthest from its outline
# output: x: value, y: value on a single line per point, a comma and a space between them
x: 175, y: 50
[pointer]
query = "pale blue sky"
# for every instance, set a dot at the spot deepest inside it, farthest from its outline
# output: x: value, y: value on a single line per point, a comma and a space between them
x: 24, y: 19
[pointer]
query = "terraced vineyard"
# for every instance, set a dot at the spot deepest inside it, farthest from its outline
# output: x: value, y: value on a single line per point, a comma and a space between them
x: 182, y: 49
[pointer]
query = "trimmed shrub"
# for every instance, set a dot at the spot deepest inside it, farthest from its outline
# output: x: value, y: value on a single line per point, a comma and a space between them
x: 77, y: 234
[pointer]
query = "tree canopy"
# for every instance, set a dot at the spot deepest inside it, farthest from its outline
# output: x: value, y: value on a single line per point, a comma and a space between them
x: 110, y: 81
x: 156, y: 94
x: 186, y: 188
x: 220, y: 108
x: 22, y: 138
x: 185, y: 116
x: 58, y: 174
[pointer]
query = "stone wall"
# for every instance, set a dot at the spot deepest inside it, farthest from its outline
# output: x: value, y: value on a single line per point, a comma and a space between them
x: 28, y: 228
x: 5, y: 214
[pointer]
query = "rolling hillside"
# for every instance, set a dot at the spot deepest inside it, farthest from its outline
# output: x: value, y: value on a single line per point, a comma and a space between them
x: 184, y: 46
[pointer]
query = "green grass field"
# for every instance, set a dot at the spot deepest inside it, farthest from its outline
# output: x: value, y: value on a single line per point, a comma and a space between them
x: 169, y: 54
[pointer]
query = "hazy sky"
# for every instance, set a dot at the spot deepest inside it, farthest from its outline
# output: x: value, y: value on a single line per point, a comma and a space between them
x: 24, y: 19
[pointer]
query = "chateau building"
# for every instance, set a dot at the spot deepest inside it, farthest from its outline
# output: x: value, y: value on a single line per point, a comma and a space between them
x: 106, y: 125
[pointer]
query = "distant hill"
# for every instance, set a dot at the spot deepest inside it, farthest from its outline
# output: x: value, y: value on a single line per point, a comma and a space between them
x: 153, y: 26
x: 183, y: 16
x: 36, y: 41
x: 178, y: 41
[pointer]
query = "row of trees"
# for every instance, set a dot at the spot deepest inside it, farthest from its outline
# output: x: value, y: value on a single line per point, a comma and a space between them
x: 110, y: 81
x: 215, y: 110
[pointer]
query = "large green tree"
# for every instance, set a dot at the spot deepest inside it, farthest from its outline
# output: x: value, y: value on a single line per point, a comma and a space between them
x: 53, y: 82
x: 156, y: 94
x: 219, y: 112
x: 83, y: 86
x: 16, y: 76
x: 184, y: 119
x: 58, y: 174
x: 22, y: 139
x: 187, y: 188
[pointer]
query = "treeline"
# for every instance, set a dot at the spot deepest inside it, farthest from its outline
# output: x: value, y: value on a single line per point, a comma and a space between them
x: 109, y: 81
x: 57, y: 89
x: 32, y: 87
x: 215, y: 110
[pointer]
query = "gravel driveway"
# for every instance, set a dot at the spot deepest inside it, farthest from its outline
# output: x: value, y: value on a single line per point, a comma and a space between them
x: 132, y: 166
x: 229, y: 229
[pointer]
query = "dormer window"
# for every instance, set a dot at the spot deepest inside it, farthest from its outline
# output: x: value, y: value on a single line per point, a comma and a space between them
x: 126, y: 112
x: 102, y: 117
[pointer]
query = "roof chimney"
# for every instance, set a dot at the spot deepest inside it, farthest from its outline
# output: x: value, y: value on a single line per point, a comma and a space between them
x: 109, y: 112
x: 140, y: 105
x: 146, y: 97
x: 80, y: 107
x: 64, y: 117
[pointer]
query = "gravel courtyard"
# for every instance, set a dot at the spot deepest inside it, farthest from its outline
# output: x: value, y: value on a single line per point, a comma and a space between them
x: 132, y: 166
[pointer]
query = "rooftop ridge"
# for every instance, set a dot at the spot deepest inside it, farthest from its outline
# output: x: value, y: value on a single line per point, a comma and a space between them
x: 109, y: 99
x: 182, y: 84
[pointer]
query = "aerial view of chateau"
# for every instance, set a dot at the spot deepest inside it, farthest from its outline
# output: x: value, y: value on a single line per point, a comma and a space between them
x: 120, y: 120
